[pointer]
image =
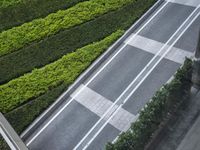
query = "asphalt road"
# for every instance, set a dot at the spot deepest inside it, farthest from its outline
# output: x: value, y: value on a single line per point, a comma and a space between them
x: 111, y: 98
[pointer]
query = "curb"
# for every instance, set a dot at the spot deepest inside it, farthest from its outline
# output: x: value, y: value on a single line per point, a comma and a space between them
x: 10, y: 136
x: 36, y: 123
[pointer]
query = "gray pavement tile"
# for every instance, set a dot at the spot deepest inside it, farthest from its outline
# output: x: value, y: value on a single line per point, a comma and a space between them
x: 66, y: 130
x: 113, y: 80
x: 192, y: 3
x: 108, y: 134
x: 162, y: 27
x: 160, y: 75
x: 175, y: 54
x: 189, y: 39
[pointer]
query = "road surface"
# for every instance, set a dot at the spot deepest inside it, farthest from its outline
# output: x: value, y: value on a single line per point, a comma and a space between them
x: 111, y: 98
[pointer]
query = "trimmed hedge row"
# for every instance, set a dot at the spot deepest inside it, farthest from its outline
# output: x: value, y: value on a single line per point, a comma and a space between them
x: 6, y: 3
x: 153, y: 114
x: 28, y: 10
x: 39, y: 81
x: 3, y: 144
x: 17, y: 37
x: 54, y: 47
x: 21, y: 117
x: 32, y: 109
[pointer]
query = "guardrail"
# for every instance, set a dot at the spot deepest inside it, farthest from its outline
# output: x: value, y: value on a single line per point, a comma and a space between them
x: 88, y: 72
x: 10, y: 136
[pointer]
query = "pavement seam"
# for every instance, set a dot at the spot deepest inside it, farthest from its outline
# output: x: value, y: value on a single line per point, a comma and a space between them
x: 185, y: 2
x: 152, y: 46
x: 98, y: 104
x: 179, y: 32
x: 68, y: 103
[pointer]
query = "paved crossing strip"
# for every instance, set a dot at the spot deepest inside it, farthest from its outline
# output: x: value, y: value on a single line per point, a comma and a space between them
x: 99, y: 104
x: 177, y: 55
x: 192, y: 3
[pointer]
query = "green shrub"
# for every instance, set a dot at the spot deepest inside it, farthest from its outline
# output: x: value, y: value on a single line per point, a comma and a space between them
x: 32, y: 109
x: 153, y: 114
x: 6, y: 3
x: 23, y: 116
x: 39, y: 81
x: 3, y: 144
x: 17, y: 37
x: 31, y: 9
x: 54, y: 47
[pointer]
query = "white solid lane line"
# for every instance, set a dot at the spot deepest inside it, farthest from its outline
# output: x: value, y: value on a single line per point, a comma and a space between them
x: 98, y: 104
x: 97, y: 133
x: 146, y: 67
x: 46, y: 125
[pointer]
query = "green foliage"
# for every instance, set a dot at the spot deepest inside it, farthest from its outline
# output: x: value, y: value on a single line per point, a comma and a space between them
x: 31, y: 9
x: 21, y: 117
x: 32, y: 109
x: 6, y: 3
x: 17, y: 37
x: 3, y: 144
x: 39, y: 81
x: 54, y: 47
x: 153, y: 114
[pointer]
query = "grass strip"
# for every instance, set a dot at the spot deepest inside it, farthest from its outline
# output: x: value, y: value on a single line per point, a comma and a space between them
x: 54, y: 47
x: 17, y: 37
x: 163, y: 102
x: 39, y: 81
x: 27, y: 10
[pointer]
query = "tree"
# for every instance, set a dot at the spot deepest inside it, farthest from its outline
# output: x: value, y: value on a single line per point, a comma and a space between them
x: 197, y: 53
x: 196, y: 66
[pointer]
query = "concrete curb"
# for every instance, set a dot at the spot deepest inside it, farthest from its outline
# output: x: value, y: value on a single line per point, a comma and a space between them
x: 10, y: 136
x: 87, y: 73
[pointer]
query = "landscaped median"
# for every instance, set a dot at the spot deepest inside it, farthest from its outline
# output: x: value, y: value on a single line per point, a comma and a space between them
x: 54, y: 47
x: 16, y: 12
x: 17, y: 37
x: 163, y: 102
x: 64, y: 70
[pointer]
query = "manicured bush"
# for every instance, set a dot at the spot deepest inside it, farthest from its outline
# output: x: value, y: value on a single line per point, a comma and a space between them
x: 17, y: 37
x: 6, y: 3
x: 39, y: 81
x: 153, y: 114
x: 54, y: 47
x: 3, y: 144
x: 28, y: 10
x: 21, y: 117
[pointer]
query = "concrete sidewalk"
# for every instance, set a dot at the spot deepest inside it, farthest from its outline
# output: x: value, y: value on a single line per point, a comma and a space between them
x: 182, y: 132
x: 192, y: 139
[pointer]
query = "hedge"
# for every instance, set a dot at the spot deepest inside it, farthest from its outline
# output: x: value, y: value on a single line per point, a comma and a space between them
x: 154, y: 113
x: 54, y: 47
x: 27, y: 10
x: 23, y: 116
x: 6, y: 3
x: 18, y: 37
x: 3, y: 144
x: 39, y: 81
